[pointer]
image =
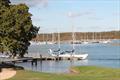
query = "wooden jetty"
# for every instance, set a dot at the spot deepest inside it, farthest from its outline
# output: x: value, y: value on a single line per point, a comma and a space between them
x: 33, y: 59
x: 26, y: 59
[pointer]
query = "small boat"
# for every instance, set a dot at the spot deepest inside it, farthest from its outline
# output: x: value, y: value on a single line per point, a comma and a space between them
x: 106, y: 41
x: 85, y: 42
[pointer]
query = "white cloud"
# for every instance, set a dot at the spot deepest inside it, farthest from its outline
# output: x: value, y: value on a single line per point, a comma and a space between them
x: 73, y: 14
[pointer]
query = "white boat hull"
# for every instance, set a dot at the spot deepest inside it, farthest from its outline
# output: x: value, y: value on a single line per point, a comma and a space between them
x: 80, y: 56
x: 67, y: 55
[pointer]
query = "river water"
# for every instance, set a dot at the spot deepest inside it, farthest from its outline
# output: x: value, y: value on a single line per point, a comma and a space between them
x: 104, y: 55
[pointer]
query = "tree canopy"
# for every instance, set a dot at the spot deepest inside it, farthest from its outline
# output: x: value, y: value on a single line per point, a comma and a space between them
x: 16, y: 28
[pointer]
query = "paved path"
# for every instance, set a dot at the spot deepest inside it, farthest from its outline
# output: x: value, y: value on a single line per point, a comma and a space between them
x: 7, y: 73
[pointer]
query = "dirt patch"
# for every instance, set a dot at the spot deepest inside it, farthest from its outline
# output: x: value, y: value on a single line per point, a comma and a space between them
x: 73, y: 71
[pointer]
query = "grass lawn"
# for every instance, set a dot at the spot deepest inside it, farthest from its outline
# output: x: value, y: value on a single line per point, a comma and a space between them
x: 81, y: 73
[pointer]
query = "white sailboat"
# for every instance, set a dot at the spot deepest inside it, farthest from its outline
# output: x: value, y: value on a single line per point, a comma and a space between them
x: 94, y: 39
x: 85, y: 41
x: 52, y: 39
x: 68, y: 54
x: 72, y: 52
x: 103, y: 40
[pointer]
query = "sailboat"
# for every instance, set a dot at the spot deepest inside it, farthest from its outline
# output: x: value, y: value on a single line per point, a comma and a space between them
x: 85, y: 41
x: 52, y: 39
x: 67, y: 54
x: 94, y: 40
x: 72, y: 52
x: 103, y: 40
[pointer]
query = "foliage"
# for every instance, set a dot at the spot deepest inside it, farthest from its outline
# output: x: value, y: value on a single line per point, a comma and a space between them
x: 16, y: 29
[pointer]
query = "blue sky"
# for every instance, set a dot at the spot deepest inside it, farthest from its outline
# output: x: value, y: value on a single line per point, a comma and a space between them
x: 84, y: 15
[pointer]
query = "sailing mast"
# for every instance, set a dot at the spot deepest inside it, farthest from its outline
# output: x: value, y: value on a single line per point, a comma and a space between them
x: 43, y: 37
x: 59, y: 41
x: 73, y: 39
x: 93, y: 36
x: 53, y: 37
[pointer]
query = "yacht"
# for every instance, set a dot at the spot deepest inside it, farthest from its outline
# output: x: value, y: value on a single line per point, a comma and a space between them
x: 68, y: 55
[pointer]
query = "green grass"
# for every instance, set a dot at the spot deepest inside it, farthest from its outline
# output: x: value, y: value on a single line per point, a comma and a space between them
x: 82, y: 73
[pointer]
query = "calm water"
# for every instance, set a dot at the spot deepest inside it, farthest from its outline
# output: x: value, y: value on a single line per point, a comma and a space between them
x: 105, y: 55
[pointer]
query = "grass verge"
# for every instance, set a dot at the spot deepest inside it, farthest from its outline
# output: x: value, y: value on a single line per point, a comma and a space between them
x: 81, y: 73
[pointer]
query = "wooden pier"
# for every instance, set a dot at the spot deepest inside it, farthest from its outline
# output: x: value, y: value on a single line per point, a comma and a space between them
x: 34, y: 59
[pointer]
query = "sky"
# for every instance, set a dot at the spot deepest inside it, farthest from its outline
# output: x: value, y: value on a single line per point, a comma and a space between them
x: 77, y: 15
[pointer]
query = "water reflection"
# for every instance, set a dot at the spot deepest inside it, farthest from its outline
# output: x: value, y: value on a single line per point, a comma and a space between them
x: 52, y: 66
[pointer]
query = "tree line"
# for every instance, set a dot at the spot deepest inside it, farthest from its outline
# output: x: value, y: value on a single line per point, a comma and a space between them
x: 78, y: 35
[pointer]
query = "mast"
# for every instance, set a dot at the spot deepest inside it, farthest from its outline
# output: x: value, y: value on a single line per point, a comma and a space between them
x: 43, y: 37
x: 93, y: 37
x: 100, y: 36
x: 87, y: 36
x: 53, y: 37
x: 73, y: 38
x: 59, y: 41
x: 47, y: 38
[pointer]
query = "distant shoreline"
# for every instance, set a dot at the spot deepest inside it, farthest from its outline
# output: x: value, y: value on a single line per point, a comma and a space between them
x: 66, y: 36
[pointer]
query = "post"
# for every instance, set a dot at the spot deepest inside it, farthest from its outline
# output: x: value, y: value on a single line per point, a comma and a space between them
x: 40, y: 57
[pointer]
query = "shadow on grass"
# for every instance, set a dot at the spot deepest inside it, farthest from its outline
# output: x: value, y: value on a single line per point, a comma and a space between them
x: 10, y: 65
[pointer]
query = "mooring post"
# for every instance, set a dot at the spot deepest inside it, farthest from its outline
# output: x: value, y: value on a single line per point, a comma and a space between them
x: 40, y: 57
x: 34, y: 61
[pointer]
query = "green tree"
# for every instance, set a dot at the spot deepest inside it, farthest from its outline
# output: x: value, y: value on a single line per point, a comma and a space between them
x: 16, y: 29
x: 4, y: 24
